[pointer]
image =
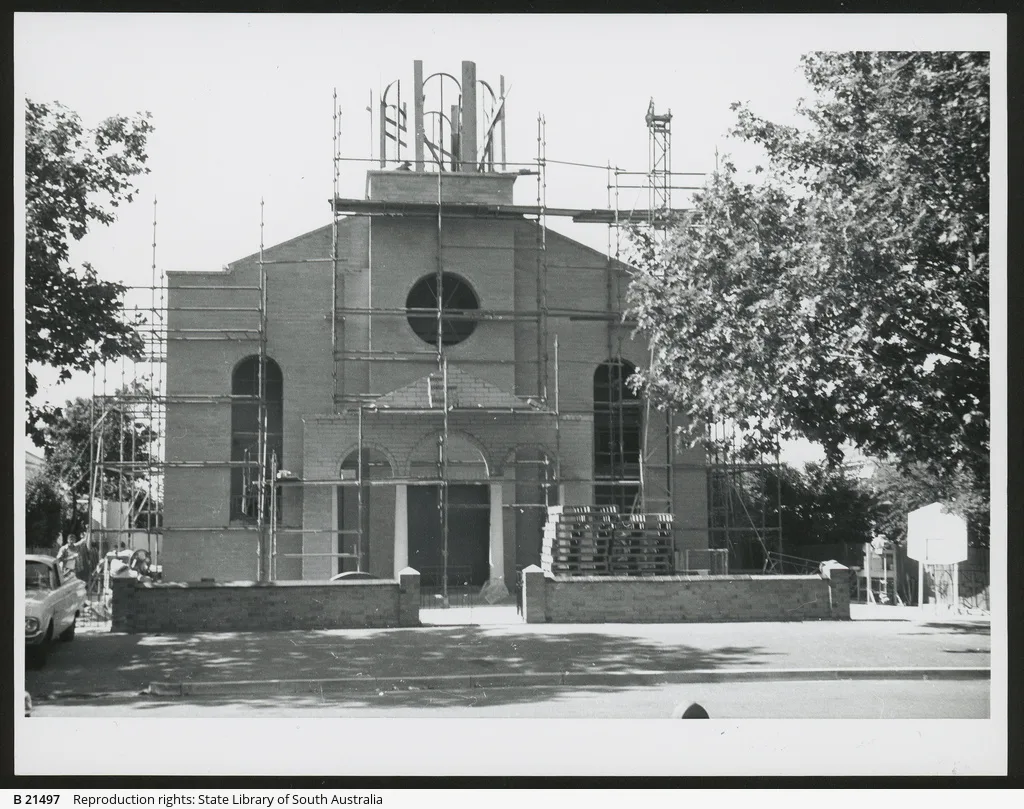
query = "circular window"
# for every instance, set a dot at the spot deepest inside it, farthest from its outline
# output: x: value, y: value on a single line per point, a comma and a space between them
x: 457, y: 303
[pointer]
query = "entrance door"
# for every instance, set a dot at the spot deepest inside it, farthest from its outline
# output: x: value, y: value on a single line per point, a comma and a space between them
x: 468, y: 534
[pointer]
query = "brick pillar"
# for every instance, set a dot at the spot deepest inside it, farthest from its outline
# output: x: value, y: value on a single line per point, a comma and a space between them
x: 408, y: 597
x: 839, y: 591
x: 535, y: 595
x: 122, y: 605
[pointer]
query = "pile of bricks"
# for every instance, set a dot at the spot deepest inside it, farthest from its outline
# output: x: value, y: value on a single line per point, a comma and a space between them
x: 598, y: 541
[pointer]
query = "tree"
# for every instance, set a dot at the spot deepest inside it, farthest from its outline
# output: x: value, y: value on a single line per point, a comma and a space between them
x: 73, y: 178
x: 44, y: 512
x: 843, y: 296
x: 825, y: 506
x: 115, y: 438
x: 901, y: 491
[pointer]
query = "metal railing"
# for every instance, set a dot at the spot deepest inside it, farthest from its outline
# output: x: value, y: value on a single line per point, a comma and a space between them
x: 972, y: 589
x: 786, y: 564
x: 460, y: 591
x: 714, y: 561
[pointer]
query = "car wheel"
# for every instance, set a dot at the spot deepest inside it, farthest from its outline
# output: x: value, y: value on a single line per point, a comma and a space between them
x: 68, y: 634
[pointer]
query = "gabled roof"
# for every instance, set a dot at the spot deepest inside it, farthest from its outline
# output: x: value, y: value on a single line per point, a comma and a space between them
x: 465, y: 392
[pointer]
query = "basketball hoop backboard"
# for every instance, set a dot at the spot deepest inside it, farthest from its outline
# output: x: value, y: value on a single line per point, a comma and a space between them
x: 935, y: 537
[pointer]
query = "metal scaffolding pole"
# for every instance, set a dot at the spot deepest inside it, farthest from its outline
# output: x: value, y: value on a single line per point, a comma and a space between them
x: 334, y: 257
x: 442, y: 363
x: 360, y: 505
x: 262, y: 413
x: 542, y: 319
x: 623, y: 478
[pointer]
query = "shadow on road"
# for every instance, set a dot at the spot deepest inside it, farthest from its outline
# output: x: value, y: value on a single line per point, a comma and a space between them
x: 126, y: 663
x: 962, y: 628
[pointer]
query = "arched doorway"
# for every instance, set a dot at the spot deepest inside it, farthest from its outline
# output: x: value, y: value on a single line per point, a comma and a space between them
x: 449, y: 513
x: 364, y: 513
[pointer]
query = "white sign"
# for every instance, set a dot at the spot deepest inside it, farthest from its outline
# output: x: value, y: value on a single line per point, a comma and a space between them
x: 935, y: 537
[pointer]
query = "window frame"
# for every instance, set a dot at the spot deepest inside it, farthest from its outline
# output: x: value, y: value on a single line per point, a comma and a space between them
x: 453, y: 331
x: 245, y: 431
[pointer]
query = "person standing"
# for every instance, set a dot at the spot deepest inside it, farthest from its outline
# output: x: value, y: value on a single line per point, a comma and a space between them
x: 64, y: 553
x: 80, y: 549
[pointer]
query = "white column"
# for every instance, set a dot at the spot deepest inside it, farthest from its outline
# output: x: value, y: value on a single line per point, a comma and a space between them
x: 497, y: 545
x: 495, y: 589
x: 401, y: 528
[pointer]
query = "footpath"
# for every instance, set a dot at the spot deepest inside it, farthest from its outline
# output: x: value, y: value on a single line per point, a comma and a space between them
x: 497, y: 650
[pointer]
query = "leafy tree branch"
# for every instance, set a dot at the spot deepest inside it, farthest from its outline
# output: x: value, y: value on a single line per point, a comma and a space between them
x: 843, y: 297
x: 74, y: 178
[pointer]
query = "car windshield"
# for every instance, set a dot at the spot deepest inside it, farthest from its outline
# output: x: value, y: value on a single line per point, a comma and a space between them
x: 37, y: 576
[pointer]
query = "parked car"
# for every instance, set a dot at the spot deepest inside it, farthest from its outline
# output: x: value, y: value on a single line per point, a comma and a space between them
x: 53, y: 601
x: 349, y: 575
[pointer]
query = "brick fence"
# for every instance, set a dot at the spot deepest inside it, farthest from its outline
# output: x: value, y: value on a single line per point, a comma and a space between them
x: 145, y: 607
x: 679, y: 599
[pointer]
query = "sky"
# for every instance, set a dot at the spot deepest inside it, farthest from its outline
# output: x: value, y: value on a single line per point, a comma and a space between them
x: 242, y: 107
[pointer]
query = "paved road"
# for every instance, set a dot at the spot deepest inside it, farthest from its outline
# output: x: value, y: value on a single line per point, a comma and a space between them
x: 96, y: 664
x: 863, y: 699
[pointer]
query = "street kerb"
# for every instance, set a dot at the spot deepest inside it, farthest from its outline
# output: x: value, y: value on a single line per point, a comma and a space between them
x: 369, y: 685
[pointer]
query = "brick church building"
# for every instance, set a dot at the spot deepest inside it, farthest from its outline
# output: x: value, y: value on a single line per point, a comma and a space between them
x: 411, y: 384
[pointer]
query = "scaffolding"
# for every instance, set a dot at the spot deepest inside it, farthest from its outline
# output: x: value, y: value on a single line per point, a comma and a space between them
x: 126, y: 493
x: 640, y: 449
x: 744, y: 502
x: 123, y: 501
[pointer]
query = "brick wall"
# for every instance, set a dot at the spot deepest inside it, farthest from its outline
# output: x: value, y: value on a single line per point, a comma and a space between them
x: 680, y: 599
x: 317, y: 511
x: 192, y: 555
x: 409, y: 186
x: 690, y: 499
x: 329, y: 439
x: 404, y: 250
x: 145, y: 607
x: 498, y: 258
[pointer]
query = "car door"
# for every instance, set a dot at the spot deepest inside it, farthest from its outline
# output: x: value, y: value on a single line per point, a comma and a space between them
x: 51, y: 609
x: 64, y: 608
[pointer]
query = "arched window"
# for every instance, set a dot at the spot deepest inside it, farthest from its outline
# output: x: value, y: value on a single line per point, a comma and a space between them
x: 458, y: 301
x: 245, y: 433
x: 618, y: 426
